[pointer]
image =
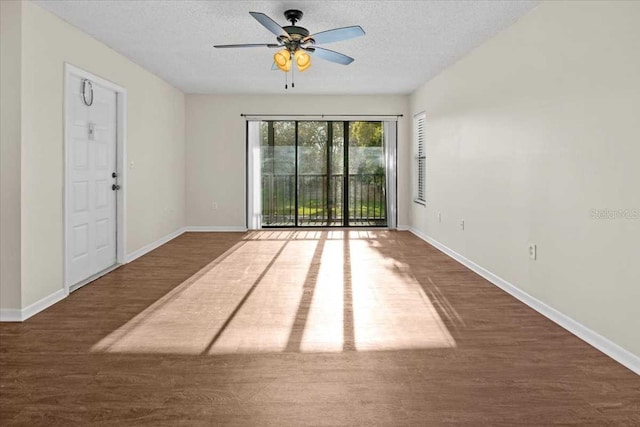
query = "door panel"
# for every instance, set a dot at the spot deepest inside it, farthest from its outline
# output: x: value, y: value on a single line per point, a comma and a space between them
x: 367, y: 183
x: 81, y: 196
x: 91, y: 209
x: 80, y: 241
x: 278, y: 153
x: 312, y: 173
x: 81, y: 154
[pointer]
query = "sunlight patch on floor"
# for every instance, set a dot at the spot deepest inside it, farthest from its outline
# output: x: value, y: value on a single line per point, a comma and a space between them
x: 323, y: 331
x: 312, y: 291
x: 264, y: 322
x: 391, y: 310
x: 185, y: 320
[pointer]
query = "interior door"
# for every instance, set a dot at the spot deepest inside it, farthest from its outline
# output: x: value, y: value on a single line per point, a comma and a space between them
x: 91, y: 180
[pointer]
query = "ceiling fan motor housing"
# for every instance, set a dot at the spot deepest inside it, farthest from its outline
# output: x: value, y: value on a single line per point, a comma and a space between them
x: 296, y: 33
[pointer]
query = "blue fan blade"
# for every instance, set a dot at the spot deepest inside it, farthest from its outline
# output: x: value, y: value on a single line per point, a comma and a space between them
x: 329, y: 55
x: 337, y: 34
x: 270, y: 24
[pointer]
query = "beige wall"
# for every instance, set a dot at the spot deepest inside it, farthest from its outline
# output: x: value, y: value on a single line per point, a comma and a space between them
x: 216, y: 146
x: 156, y: 144
x: 528, y: 134
x: 10, y: 67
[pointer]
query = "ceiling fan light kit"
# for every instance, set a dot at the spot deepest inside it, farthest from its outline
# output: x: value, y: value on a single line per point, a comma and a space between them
x: 303, y: 60
x: 298, y: 45
x: 283, y: 60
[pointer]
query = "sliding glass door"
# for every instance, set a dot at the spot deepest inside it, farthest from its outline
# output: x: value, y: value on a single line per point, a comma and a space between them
x: 322, y: 174
x: 278, y: 155
x: 367, y: 180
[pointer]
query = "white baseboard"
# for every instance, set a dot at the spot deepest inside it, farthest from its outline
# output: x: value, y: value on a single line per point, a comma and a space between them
x: 403, y: 228
x: 209, y: 229
x: 608, y: 347
x: 16, y: 315
x: 153, y: 245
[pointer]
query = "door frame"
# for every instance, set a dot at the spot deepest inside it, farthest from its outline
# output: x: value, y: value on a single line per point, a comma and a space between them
x: 121, y: 162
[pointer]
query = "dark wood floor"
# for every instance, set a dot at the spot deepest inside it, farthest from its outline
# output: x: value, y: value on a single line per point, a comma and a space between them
x: 302, y: 328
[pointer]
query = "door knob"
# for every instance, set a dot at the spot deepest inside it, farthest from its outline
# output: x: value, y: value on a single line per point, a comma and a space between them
x: 115, y: 187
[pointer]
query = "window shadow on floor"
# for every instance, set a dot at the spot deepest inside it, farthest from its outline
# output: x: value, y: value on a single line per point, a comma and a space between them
x: 289, y: 291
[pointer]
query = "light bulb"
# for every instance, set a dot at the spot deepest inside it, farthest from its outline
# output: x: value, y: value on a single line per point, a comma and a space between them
x: 303, y: 59
x: 283, y: 60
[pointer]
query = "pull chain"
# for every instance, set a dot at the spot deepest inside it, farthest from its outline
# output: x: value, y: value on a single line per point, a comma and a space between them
x: 293, y: 67
x: 285, y: 80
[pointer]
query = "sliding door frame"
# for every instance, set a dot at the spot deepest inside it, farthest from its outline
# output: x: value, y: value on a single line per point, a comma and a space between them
x: 295, y: 207
x: 330, y: 120
x: 345, y: 177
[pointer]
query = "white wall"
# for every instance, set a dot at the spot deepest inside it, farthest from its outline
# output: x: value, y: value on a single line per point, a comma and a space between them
x: 10, y: 134
x: 216, y: 146
x: 156, y: 186
x: 525, y: 136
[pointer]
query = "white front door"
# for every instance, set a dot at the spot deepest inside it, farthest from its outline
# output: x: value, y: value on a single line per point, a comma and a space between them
x: 91, y: 173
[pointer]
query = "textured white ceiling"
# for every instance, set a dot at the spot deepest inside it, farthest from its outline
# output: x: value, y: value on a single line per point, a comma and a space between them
x: 407, y: 42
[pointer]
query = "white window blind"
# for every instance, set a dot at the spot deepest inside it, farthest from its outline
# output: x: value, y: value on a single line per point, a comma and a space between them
x: 420, y: 158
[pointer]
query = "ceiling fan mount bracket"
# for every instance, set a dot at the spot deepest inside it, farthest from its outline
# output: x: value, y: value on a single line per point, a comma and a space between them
x: 293, y: 15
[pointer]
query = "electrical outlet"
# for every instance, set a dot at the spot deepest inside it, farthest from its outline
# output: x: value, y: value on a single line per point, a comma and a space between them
x: 439, y: 217
x: 462, y: 225
x: 533, y: 251
x: 214, y: 206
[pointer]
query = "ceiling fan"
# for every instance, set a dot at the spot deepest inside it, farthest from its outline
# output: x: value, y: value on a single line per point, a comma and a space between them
x: 297, y: 44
